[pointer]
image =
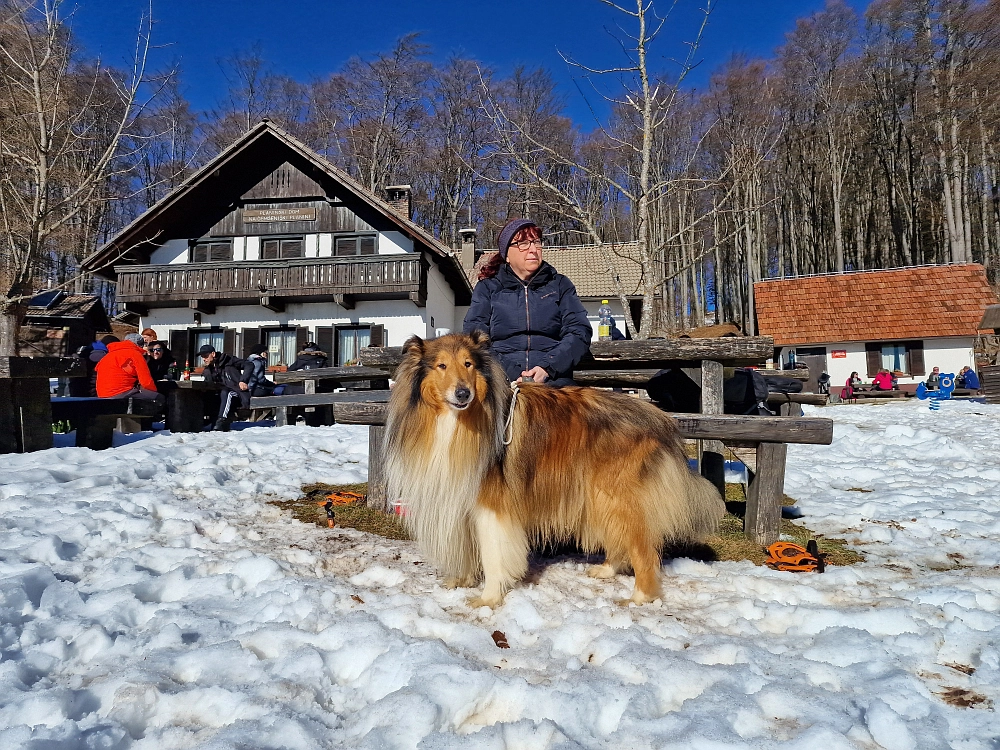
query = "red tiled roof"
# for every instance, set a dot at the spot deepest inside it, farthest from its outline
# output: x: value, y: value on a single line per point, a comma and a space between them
x: 901, y: 303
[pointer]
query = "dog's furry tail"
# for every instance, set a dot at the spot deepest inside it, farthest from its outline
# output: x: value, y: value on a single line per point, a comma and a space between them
x: 706, y: 506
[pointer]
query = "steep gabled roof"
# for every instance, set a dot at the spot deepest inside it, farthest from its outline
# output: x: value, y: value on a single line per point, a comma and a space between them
x: 889, y: 305
x: 210, y: 191
x: 587, y: 267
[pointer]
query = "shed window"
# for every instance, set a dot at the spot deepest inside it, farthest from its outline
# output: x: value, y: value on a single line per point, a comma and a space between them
x: 208, y: 252
x: 278, y: 248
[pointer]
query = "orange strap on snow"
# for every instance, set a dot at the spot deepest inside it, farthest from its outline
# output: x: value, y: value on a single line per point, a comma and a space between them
x: 344, y: 497
x: 788, y: 556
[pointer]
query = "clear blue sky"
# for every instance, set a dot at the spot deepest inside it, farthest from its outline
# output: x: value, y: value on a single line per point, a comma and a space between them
x: 307, y: 38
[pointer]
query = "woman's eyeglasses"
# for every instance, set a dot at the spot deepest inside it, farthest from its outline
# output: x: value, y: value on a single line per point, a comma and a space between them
x: 525, y: 245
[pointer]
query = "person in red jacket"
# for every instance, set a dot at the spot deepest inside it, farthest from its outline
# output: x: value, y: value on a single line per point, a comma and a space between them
x: 883, y: 381
x: 123, y: 372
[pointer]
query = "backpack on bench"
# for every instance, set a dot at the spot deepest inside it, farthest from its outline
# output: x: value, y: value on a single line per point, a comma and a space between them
x: 744, y: 393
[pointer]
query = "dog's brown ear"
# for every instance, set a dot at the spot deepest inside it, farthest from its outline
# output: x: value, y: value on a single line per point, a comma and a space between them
x: 480, y: 338
x: 414, y: 347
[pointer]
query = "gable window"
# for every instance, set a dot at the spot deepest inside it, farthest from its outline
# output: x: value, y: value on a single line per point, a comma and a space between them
x: 282, y: 247
x: 210, y: 251
x: 358, y: 245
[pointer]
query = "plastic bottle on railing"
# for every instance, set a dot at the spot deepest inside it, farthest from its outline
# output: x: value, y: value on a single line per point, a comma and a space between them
x: 606, y: 324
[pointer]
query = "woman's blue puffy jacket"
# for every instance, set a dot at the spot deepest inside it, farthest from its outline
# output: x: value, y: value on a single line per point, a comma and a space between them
x: 541, y: 322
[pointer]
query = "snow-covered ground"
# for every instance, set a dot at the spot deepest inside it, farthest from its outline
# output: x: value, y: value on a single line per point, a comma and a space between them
x: 151, y: 598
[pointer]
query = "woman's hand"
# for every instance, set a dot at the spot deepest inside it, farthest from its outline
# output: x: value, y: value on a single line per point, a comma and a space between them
x: 536, y: 373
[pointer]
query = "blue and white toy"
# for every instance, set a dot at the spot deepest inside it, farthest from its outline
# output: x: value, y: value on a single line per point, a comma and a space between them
x: 946, y: 384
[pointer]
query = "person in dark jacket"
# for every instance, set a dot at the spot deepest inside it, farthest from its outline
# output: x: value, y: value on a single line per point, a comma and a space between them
x: 160, y: 361
x: 233, y: 375
x: 310, y: 358
x: 537, y: 325
x: 81, y: 387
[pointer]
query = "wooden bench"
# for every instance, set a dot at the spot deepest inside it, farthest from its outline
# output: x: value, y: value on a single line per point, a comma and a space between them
x: 95, y: 418
x: 626, y: 363
x: 330, y: 378
x: 768, y: 436
x: 283, y: 404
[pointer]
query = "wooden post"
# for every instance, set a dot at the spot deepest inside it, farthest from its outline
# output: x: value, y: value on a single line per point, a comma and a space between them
x: 763, y: 517
x: 185, y: 410
x: 377, y: 497
x: 281, y: 416
x: 35, y: 407
x: 712, y: 464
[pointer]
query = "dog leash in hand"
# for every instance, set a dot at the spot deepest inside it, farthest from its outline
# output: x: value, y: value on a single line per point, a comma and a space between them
x: 508, y: 430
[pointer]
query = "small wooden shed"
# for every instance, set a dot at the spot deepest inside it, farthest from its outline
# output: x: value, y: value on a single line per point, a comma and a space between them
x: 58, y: 323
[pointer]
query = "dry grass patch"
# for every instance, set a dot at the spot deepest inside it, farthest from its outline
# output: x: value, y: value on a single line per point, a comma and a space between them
x: 728, y: 544
x: 309, y: 509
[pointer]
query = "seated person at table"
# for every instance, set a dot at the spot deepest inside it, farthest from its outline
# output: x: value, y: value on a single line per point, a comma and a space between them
x: 852, y: 382
x: 310, y: 358
x: 883, y: 381
x: 240, y: 379
x: 538, y: 327
x: 160, y: 361
x: 933, y: 379
x: 123, y: 373
x: 968, y: 379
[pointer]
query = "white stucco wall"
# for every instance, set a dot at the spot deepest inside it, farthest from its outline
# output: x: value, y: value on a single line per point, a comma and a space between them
x: 440, y: 310
x: 401, y: 318
x: 170, y: 252
x: 391, y: 243
x: 950, y: 354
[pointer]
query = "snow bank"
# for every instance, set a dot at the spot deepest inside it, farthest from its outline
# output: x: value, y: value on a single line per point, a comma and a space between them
x: 151, y: 598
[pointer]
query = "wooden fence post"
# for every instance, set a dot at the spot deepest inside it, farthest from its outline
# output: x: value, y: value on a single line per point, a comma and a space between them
x: 377, y: 495
x: 713, y: 466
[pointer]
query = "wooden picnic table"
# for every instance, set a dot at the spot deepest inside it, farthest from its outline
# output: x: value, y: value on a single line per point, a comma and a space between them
x: 632, y: 363
x: 25, y: 408
x: 187, y: 403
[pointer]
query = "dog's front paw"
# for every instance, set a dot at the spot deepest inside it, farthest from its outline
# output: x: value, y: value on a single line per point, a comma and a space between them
x: 639, y: 597
x: 602, y: 572
x: 485, y: 601
x: 459, y: 582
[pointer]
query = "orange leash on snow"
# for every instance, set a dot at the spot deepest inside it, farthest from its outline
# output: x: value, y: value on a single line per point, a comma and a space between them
x: 344, y: 497
x: 788, y: 556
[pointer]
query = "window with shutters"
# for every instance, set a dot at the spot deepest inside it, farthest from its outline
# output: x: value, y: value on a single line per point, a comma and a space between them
x: 362, y: 244
x: 901, y: 357
x: 210, y: 251
x: 277, y: 248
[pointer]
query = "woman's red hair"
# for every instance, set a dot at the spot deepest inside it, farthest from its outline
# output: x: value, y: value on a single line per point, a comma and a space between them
x: 492, y: 266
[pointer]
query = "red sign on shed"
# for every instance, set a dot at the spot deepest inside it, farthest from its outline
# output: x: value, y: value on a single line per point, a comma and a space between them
x: 839, y: 354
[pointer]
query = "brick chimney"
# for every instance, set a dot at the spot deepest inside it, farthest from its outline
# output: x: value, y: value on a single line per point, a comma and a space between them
x: 468, y: 247
x: 399, y: 197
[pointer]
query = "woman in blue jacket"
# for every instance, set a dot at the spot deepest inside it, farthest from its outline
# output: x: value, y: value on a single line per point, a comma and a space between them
x: 537, y: 326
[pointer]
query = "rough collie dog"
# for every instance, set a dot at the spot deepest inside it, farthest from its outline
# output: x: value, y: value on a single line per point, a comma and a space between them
x: 602, y: 468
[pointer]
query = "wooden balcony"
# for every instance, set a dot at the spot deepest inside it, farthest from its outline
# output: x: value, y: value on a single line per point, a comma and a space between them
x: 271, y: 283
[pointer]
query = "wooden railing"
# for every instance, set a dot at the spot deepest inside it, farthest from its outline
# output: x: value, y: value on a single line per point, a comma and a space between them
x: 374, y: 276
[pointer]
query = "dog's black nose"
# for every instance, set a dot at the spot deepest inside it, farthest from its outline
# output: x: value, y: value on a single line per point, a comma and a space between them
x: 463, y: 394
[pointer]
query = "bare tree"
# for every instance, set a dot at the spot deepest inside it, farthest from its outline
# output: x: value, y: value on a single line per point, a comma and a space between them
x: 63, y: 123
x: 643, y: 104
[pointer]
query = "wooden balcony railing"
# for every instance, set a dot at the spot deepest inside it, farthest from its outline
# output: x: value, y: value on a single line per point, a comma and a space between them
x: 299, y: 279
